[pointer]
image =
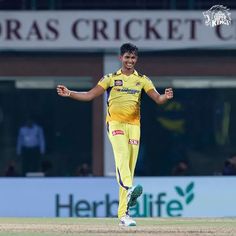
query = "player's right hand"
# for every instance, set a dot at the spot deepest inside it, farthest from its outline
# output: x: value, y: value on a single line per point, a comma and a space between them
x: 63, y: 91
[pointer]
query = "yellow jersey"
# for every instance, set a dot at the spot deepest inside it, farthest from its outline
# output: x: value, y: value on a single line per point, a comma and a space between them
x: 124, y: 94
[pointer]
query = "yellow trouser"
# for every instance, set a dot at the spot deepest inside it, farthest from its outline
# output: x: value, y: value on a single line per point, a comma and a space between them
x: 125, y: 143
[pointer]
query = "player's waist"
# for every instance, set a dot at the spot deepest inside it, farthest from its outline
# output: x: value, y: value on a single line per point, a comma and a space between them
x: 123, y: 119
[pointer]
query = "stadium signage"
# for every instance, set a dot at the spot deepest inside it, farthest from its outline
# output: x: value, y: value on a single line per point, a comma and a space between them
x: 97, y: 197
x: 91, y: 30
x: 15, y: 29
x: 85, y: 208
x: 147, y: 206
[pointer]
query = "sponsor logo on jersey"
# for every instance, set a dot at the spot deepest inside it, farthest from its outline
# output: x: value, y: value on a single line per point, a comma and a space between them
x: 118, y: 83
x: 128, y: 91
x: 133, y: 141
x: 117, y: 132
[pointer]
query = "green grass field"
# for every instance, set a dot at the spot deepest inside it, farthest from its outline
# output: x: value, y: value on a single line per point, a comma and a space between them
x: 109, y: 226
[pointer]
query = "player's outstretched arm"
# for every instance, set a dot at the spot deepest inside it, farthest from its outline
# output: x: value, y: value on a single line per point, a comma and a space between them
x: 80, y: 96
x: 160, y: 98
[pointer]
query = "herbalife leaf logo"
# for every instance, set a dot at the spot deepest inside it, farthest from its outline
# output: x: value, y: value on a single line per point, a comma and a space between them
x: 187, y: 193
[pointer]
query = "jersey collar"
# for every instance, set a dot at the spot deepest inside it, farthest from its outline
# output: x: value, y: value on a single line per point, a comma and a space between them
x: 119, y: 72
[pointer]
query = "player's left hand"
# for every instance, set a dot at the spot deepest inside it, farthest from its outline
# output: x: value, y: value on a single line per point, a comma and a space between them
x: 169, y: 93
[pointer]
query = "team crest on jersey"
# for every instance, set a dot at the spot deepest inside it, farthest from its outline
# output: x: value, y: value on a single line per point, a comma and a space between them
x: 138, y: 84
x: 118, y: 82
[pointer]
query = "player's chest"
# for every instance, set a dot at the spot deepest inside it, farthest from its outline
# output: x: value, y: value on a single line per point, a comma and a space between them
x: 122, y: 87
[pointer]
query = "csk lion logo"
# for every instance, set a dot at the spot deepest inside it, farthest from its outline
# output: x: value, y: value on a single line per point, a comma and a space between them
x: 217, y: 15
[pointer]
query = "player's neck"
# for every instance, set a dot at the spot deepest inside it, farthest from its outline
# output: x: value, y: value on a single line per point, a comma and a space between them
x: 126, y: 71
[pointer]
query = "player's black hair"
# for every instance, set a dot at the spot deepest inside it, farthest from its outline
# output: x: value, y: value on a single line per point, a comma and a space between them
x: 128, y: 47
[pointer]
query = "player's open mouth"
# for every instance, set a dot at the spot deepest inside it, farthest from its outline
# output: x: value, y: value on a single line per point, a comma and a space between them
x: 129, y: 65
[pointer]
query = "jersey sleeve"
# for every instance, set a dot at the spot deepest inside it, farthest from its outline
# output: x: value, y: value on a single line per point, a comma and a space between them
x: 148, y: 84
x: 105, y: 82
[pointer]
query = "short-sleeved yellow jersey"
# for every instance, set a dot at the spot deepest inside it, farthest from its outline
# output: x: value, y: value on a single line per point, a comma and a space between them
x: 124, y: 94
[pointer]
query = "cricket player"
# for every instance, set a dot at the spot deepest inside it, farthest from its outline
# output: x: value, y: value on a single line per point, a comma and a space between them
x: 124, y: 89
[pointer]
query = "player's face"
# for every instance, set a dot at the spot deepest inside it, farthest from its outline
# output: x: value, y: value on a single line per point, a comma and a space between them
x: 128, y: 60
